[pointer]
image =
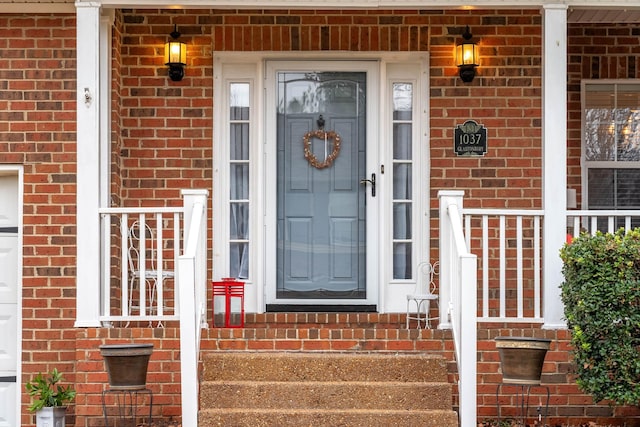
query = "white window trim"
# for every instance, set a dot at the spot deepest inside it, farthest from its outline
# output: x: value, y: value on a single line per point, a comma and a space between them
x: 597, y: 164
x: 243, y: 72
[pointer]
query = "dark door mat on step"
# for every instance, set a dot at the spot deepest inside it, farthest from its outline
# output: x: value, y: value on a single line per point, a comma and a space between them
x: 311, y: 308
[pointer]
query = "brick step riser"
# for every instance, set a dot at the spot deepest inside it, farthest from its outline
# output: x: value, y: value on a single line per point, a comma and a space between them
x: 386, y: 321
x: 318, y: 395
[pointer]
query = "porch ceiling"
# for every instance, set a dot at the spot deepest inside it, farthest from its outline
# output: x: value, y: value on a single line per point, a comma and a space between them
x: 598, y: 15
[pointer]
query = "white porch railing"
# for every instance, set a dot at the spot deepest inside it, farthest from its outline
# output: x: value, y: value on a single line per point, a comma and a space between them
x: 140, y: 248
x: 192, y: 280
x: 149, y: 280
x: 606, y: 221
x: 458, y: 268
x: 508, y: 243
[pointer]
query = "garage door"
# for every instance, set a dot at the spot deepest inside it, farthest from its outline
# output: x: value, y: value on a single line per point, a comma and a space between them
x: 9, y: 269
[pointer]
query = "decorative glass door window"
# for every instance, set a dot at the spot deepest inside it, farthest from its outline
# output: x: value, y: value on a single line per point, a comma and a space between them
x: 321, y: 242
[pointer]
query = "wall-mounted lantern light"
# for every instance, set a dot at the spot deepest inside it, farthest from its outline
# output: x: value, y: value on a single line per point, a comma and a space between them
x: 467, y: 57
x: 175, y: 56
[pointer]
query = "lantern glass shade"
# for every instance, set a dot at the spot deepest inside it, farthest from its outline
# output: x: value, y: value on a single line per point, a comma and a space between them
x: 175, y: 52
x: 466, y: 54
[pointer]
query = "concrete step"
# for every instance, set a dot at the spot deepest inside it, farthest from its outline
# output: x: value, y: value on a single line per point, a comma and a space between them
x: 317, y: 395
x: 323, y: 366
x: 270, y: 388
x: 326, y: 418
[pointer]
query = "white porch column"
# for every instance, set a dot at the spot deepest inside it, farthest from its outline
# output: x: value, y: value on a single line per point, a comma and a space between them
x: 554, y: 168
x: 88, y: 166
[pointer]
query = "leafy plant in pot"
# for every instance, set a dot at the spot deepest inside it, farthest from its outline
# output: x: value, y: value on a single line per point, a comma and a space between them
x: 601, y: 296
x: 50, y: 399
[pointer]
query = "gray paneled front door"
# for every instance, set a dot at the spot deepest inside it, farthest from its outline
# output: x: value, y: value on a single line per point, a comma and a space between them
x: 321, y: 205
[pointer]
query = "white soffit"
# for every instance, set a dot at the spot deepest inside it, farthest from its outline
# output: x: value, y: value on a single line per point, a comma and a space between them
x: 33, y: 7
x: 579, y: 11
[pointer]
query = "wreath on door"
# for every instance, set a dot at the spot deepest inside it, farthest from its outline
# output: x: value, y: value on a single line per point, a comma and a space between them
x: 326, y: 136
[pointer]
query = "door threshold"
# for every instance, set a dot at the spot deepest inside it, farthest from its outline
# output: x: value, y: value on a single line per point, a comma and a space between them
x: 321, y: 308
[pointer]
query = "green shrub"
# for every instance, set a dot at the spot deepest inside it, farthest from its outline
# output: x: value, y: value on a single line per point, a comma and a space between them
x: 46, y: 391
x: 601, y: 296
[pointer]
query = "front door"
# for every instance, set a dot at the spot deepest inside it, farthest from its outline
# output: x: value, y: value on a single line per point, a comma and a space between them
x: 296, y: 217
x: 9, y: 267
x: 322, y: 187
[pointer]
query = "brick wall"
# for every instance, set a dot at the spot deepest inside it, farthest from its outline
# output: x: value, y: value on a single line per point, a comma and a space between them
x: 162, y: 134
x: 163, y: 375
x: 166, y: 127
x: 342, y: 332
x: 505, y: 96
x: 616, y: 57
x: 37, y: 130
x: 568, y: 407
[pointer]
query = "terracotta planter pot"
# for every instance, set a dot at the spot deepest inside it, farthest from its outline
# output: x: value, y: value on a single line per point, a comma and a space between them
x: 127, y: 365
x: 521, y: 359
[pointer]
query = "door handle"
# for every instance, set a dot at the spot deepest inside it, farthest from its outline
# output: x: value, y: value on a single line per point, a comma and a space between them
x: 371, y: 181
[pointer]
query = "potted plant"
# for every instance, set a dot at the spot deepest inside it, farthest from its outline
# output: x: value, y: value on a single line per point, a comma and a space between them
x: 601, y: 296
x: 49, y: 399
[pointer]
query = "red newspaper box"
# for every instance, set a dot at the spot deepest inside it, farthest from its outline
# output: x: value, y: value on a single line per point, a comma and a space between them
x: 228, y: 303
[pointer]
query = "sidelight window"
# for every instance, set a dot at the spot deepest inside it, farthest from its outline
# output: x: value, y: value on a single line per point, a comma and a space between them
x: 402, y: 125
x: 239, y: 184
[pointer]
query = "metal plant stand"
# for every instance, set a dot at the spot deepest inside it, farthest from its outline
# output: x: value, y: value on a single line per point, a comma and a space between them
x: 523, y: 394
x: 127, y: 406
x: 521, y: 361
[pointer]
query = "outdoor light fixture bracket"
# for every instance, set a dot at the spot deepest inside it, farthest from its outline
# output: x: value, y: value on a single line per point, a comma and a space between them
x: 175, y: 56
x: 467, y: 57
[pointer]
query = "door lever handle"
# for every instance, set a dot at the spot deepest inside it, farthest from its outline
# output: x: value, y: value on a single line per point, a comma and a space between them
x: 371, y: 181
